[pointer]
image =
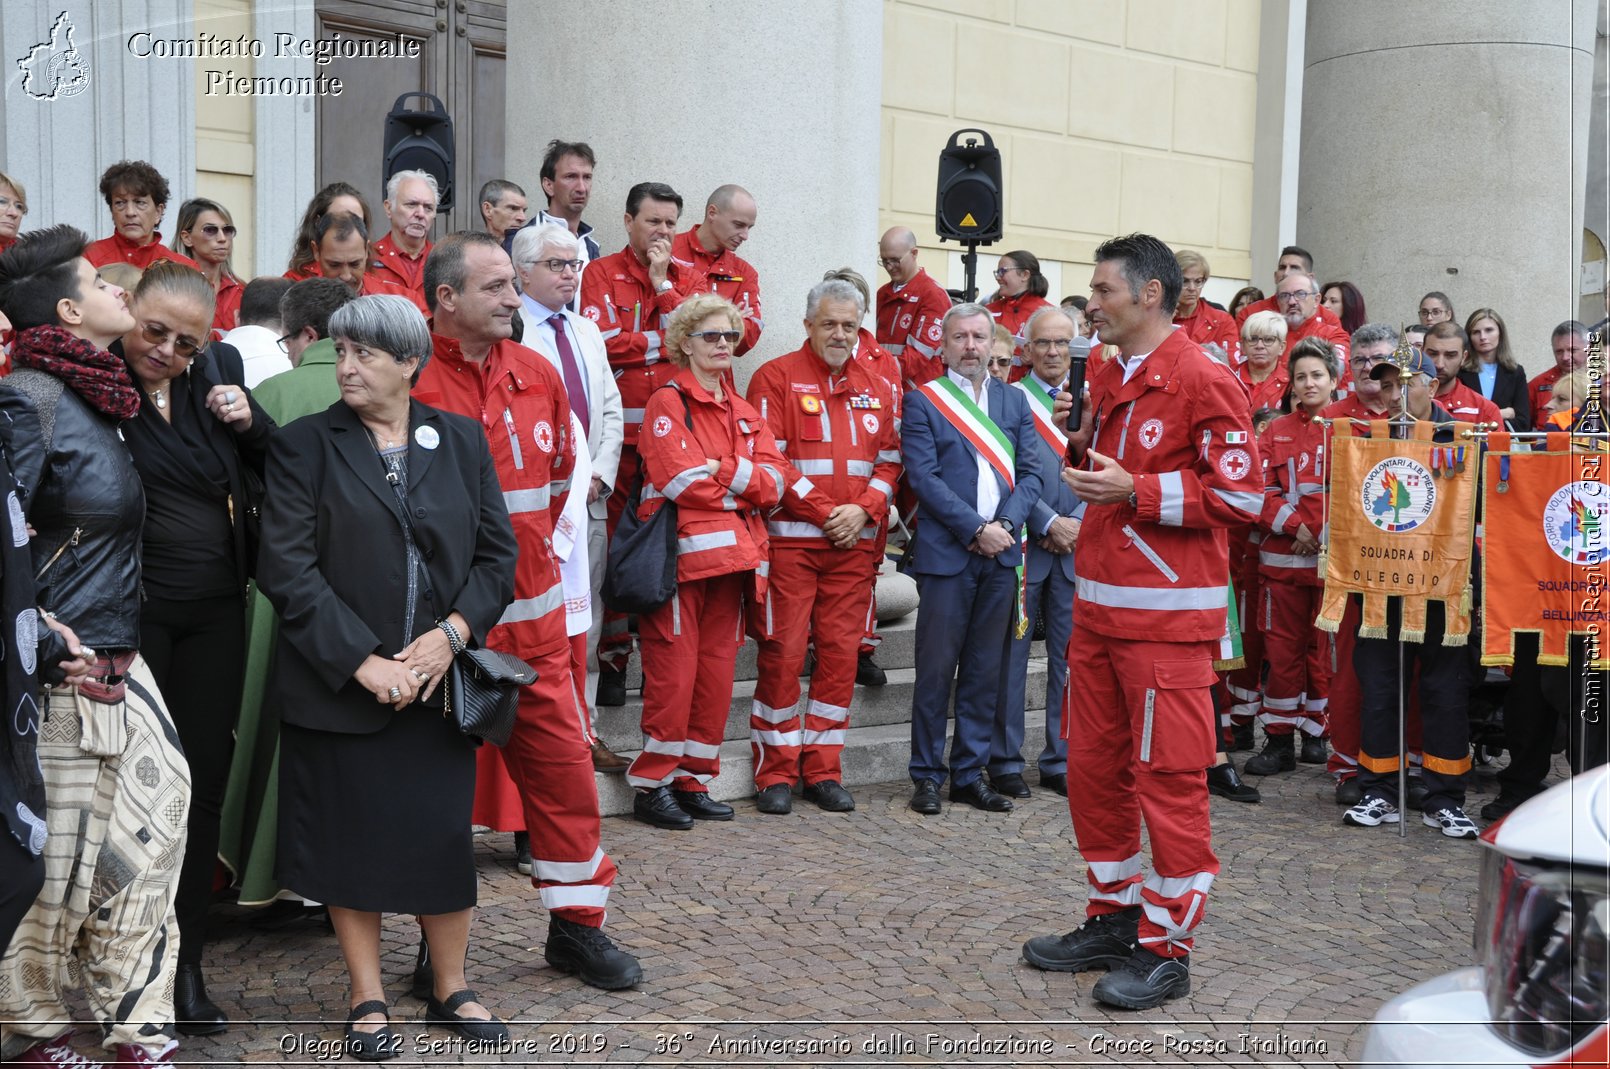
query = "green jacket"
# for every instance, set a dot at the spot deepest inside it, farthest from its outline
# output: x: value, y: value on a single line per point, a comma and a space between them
x: 307, y: 388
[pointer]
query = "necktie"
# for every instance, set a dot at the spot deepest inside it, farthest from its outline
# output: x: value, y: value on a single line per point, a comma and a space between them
x: 574, y: 385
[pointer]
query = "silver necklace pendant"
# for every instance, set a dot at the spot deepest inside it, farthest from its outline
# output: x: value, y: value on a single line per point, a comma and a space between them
x: 160, y: 399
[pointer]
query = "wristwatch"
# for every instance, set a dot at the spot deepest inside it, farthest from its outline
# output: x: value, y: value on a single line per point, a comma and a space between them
x: 663, y: 287
x: 1006, y: 524
x: 1134, y: 502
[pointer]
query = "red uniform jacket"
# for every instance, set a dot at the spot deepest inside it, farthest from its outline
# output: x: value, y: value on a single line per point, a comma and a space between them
x: 723, y: 272
x: 1294, y: 453
x: 616, y: 293
x: 393, y: 265
x: 1208, y: 324
x: 883, y: 365
x: 1542, y: 390
x: 519, y: 400
x: 1466, y: 404
x: 838, y: 433
x: 115, y: 249
x: 226, y: 308
x: 720, y: 524
x: 905, y: 315
x: 1268, y: 393
x: 1158, y: 571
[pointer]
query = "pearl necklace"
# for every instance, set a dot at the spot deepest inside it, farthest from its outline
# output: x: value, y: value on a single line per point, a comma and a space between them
x: 159, y: 398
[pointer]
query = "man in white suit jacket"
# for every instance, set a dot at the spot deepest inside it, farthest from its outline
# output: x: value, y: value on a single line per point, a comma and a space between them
x: 548, y: 259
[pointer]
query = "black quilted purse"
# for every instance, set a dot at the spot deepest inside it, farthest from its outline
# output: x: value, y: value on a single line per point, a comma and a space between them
x: 481, y: 688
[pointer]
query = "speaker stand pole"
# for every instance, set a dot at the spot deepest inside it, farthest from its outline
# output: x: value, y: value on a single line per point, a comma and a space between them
x: 970, y: 270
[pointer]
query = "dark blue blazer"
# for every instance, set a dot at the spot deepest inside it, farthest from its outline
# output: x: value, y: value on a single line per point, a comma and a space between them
x: 1056, y: 499
x: 942, y: 470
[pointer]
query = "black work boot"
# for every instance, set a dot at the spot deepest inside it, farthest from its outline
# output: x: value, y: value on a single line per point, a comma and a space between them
x: 1279, y: 754
x: 590, y: 954
x: 1144, y: 981
x: 1105, y: 941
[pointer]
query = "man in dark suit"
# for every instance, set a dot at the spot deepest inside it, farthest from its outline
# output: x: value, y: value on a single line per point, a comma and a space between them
x: 971, y: 458
x: 1047, y: 572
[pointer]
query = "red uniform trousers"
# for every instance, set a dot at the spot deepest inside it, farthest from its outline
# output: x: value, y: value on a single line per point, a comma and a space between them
x: 550, y: 759
x: 810, y: 592
x: 1344, y: 705
x: 1297, y: 690
x: 689, y: 645
x: 1140, y: 734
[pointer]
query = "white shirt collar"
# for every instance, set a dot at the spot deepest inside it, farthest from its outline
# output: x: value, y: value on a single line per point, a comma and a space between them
x: 965, y: 383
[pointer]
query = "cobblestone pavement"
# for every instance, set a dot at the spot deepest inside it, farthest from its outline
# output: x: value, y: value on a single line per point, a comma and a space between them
x: 883, y: 937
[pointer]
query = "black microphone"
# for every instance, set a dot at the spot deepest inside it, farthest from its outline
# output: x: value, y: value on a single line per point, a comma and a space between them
x: 1078, y: 356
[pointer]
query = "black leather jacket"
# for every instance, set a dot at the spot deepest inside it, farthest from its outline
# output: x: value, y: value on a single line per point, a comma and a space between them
x: 87, y: 506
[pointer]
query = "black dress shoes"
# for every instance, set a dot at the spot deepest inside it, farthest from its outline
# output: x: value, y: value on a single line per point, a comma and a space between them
x: 981, y: 795
x: 1313, y: 751
x: 1056, y: 782
x: 775, y: 800
x: 590, y: 954
x: 1224, y: 781
x: 868, y: 674
x: 1349, y: 792
x: 925, y: 798
x: 1011, y: 784
x: 371, y: 1046
x: 193, y: 1012
x: 658, y: 808
x: 445, y: 1013
x: 1144, y: 981
x: 829, y: 794
x: 1105, y: 941
x: 700, y: 806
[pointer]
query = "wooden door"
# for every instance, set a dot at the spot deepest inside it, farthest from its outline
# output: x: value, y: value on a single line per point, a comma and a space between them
x: 462, y: 48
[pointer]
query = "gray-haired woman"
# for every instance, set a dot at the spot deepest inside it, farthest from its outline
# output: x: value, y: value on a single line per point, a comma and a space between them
x: 386, y: 546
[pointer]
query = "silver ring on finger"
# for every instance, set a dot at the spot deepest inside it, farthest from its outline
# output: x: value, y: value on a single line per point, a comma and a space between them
x: 229, y: 398
x: 396, y: 694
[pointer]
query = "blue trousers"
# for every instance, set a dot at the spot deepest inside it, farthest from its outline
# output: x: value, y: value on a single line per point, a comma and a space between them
x: 962, y: 625
x: 1052, y: 599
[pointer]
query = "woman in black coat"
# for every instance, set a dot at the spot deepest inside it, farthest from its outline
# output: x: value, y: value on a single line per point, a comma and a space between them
x: 1492, y: 371
x: 195, y: 438
x: 386, y: 547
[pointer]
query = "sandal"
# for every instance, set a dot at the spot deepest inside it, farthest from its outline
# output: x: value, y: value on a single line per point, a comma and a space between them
x: 372, y: 1046
x: 444, y: 1013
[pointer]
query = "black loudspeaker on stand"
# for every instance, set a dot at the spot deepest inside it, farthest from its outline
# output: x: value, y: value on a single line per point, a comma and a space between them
x: 420, y: 141
x: 968, y: 206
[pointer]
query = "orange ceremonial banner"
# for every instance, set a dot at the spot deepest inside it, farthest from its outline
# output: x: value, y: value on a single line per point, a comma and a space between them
x: 1545, y: 548
x: 1401, y: 524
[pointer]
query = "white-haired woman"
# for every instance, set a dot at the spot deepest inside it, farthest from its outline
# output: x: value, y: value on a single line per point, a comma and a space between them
x: 1263, y: 341
x: 387, y: 547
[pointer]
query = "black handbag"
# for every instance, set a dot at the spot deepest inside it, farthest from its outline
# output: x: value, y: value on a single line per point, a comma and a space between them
x: 640, y: 570
x: 481, y: 687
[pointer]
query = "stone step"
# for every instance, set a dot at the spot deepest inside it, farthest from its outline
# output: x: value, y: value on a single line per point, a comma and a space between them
x: 878, y: 753
x: 898, y: 650
x: 621, y: 727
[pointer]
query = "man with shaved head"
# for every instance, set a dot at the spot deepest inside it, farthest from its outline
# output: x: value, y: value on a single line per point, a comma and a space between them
x: 910, y: 308
x: 706, y: 257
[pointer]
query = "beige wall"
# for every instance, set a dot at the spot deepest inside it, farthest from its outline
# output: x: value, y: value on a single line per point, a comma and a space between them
x: 1111, y: 116
x: 224, y: 131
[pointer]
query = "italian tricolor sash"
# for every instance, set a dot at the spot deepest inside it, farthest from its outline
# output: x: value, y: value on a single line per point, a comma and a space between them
x: 1040, y: 404
x: 974, y: 424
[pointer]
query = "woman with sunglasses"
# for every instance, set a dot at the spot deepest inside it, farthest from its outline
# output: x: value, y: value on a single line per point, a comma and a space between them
x: 708, y: 451
x: 207, y: 236
x: 196, y: 436
x: 1021, y: 291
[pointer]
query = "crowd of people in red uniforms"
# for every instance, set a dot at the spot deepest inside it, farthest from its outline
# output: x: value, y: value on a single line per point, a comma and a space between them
x: 786, y: 497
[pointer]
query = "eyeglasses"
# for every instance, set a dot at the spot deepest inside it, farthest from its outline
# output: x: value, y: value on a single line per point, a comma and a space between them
x: 184, y: 348
x: 1296, y: 295
x: 1002, y: 272
x: 891, y: 261
x: 1050, y: 345
x: 1367, y: 361
x: 6, y: 204
x: 212, y: 229
x: 280, y: 341
x: 558, y: 266
x: 711, y: 337
x: 1263, y: 341
x: 1193, y: 283
x: 1003, y: 361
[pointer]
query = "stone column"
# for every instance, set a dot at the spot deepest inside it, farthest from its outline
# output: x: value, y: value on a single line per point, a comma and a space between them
x: 782, y: 98
x: 1444, y: 147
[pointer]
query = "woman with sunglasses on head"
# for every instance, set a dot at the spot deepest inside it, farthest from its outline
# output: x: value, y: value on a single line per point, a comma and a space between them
x: 708, y: 451
x: 1021, y: 291
x: 207, y: 236
x: 197, y: 434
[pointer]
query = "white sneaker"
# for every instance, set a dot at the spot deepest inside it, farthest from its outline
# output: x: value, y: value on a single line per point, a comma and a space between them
x: 1372, y: 812
x: 1453, y: 822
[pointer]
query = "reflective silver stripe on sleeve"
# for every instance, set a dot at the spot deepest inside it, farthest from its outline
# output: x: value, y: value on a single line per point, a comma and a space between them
x: 608, y: 334
x: 776, y: 478
x: 879, y: 484
x: 740, y: 477
x: 888, y: 456
x: 1287, y: 560
x: 1171, y: 507
x: 713, y: 540
x: 533, y: 500
x: 678, y: 485
x: 1247, y: 501
x: 523, y: 609
x: 632, y: 415
x: 1285, y: 513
